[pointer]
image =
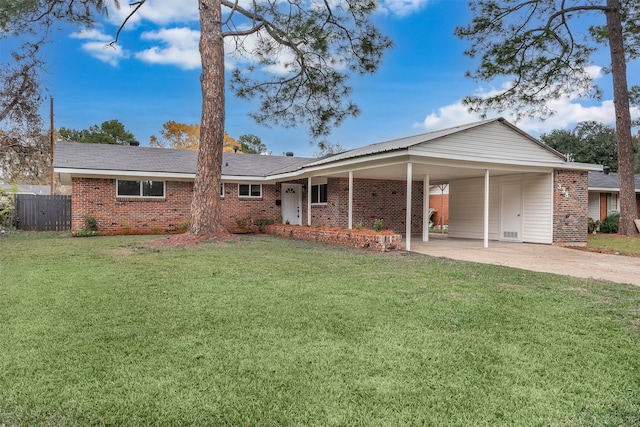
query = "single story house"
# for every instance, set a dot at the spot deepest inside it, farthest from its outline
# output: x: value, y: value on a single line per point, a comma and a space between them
x: 604, y: 194
x: 503, y: 185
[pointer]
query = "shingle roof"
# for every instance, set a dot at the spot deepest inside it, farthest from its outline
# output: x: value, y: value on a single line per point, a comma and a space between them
x: 610, y: 180
x: 74, y: 155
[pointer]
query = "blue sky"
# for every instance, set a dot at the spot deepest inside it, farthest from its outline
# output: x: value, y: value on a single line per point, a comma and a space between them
x: 152, y: 76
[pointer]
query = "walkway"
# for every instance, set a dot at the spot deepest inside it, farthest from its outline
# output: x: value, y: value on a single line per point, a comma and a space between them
x: 534, y: 257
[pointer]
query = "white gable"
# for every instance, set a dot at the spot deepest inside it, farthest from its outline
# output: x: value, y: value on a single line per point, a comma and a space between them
x: 493, y: 141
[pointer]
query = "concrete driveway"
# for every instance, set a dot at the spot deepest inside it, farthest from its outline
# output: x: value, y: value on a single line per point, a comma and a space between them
x: 534, y: 257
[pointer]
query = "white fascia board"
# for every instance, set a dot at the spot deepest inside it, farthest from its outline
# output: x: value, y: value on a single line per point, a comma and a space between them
x: 603, y: 190
x: 97, y: 173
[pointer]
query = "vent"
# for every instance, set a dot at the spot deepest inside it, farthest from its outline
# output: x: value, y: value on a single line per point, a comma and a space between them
x: 509, y: 234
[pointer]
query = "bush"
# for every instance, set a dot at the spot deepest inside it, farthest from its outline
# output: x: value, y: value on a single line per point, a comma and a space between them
x: 594, y: 225
x: 610, y: 224
x: 377, y: 224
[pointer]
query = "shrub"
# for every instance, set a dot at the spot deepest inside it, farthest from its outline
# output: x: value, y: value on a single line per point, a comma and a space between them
x: 377, y: 224
x: 593, y: 225
x: 610, y: 224
x: 90, y: 223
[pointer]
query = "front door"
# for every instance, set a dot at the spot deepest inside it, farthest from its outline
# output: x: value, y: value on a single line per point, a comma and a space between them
x: 511, y: 213
x: 292, y: 204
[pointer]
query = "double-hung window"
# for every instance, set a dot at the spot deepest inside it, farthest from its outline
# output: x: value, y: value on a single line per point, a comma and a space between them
x: 143, y: 188
x: 249, y: 190
x: 318, y: 191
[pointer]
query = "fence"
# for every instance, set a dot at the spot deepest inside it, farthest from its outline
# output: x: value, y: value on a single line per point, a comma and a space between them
x: 43, y: 213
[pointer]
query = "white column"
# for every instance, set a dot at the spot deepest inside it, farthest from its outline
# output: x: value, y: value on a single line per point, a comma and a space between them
x: 486, y: 208
x: 350, y: 200
x: 425, y: 209
x: 309, y: 201
x: 407, y: 246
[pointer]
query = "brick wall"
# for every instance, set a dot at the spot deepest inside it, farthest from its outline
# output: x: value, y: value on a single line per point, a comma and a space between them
x: 372, y: 199
x: 250, y: 209
x: 570, y: 200
x: 97, y: 198
x: 435, y: 201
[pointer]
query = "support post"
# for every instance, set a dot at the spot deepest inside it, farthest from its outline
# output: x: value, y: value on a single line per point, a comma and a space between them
x: 350, y: 200
x: 425, y: 209
x: 309, y: 201
x: 486, y: 208
x: 408, y: 219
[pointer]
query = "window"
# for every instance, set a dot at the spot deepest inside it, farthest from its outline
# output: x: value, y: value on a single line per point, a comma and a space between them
x: 319, y: 193
x: 249, y: 190
x: 222, y: 189
x: 140, y: 188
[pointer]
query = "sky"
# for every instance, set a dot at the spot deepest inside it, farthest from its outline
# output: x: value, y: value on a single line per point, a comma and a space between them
x: 153, y: 76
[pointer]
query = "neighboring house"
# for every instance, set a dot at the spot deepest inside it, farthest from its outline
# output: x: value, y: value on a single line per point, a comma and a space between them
x: 604, y: 194
x: 39, y: 190
x: 503, y: 185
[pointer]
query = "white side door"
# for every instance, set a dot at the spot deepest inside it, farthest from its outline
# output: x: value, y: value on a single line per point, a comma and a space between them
x: 511, y: 212
x: 292, y: 203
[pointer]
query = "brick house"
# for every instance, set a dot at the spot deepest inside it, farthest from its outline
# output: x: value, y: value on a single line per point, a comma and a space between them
x: 604, y: 194
x: 502, y: 185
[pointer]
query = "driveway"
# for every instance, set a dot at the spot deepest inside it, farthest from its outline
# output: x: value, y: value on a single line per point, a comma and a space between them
x: 534, y: 257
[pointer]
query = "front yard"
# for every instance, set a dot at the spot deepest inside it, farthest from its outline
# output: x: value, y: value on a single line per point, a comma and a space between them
x: 118, y: 331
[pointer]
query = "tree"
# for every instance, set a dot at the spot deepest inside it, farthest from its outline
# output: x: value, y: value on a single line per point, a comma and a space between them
x: 251, y: 144
x: 187, y: 137
x: 589, y: 142
x: 24, y: 147
x: 534, y: 43
x: 328, y: 148
x: 177, y: 135
x: 316, y: 44
x: 109, y: 132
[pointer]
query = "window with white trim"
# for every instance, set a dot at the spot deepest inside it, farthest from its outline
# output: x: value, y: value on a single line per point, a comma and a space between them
x: 318, y: 194
x: 250, y: 190
x: 222, y: 189
x: 142, y: 188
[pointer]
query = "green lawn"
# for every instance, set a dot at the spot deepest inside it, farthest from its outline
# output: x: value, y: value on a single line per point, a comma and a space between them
x: 269, y: 332
x: 613, y: 243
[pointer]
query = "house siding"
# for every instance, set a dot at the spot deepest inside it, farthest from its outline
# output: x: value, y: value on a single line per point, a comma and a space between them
x: 466, y: 217
x: 570, y: 217
x: 491, y: 142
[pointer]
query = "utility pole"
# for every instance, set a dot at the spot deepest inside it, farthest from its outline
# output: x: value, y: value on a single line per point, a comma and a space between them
x: 52, y: 145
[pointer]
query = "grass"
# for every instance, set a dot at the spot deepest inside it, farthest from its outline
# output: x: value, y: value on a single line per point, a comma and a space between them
x: 266, y: 332
x: 613, y: 243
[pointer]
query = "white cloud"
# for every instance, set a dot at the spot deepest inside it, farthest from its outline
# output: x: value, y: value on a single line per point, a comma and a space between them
x: 160, y: 12
x: 569, y: 112
x: 105, y: 53
x: 92, y: 34
x: 401, y: 7
x: 179, y: 47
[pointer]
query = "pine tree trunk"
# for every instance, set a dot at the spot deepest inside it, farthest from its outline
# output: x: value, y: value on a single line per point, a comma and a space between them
x: 206, y: 215
x: 628, y: 210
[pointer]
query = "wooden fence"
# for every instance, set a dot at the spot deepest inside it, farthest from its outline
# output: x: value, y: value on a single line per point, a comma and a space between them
x: 43, y: 213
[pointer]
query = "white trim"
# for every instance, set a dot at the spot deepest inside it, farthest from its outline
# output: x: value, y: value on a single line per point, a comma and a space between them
x: 249, y: 196
x: 408, y: 217
x: 350, y: 200
x: 486, y: 209
x: 425, y: 209
x: 309, y: 180
x: 140, y: 190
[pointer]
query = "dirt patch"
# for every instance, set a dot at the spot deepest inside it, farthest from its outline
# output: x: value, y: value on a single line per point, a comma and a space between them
x: 188, y: 240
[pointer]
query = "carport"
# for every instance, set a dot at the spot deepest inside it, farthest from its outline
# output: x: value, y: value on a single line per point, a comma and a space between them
x: 503, y: 182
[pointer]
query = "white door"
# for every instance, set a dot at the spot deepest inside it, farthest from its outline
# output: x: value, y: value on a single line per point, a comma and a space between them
x: 292, y: 203
x: 511, y: 213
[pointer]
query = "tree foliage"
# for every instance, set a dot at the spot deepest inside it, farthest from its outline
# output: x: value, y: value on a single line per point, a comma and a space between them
x: 109, y: 132
x: 589, y: 142
x: 184, y: 136
x: 539, y: 45
x: 24, y: 147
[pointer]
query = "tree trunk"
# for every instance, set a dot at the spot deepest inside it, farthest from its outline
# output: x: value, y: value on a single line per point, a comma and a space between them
x: 628, y: 209
x: 206, y: 210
